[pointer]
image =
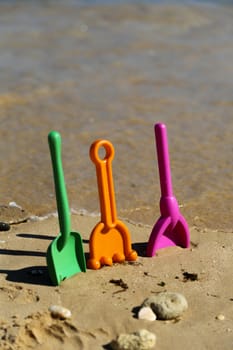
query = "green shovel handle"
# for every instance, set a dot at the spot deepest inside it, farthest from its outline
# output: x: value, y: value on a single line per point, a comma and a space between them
x: 63, y: 209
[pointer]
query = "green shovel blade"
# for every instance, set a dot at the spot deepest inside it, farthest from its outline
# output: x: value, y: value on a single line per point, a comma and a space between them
x: 66, y: 262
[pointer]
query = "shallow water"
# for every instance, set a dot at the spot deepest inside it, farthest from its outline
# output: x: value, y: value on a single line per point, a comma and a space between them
x: 113, y: 71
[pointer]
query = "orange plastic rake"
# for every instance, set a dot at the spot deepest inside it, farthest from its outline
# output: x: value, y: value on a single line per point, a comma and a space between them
x: 110, y: 239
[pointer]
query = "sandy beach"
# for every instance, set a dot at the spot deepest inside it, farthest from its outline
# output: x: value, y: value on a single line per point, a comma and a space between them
x: 100, y: 309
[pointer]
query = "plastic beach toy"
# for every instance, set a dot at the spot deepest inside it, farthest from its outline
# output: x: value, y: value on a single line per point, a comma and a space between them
x: 65, y: 256
x: 110, y: 239
x: 171, y: 228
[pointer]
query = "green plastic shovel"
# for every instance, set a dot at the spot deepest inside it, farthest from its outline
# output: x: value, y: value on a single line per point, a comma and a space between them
x: 65, y: 256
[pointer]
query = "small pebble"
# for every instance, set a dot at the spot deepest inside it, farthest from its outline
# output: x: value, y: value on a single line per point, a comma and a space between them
x: 140, y: 340
x: 146, y: 313
x: 167, y: 305
x: 4, y: 226
x: 61, y: 312
x: 15, y: 205
x: 220, y: 317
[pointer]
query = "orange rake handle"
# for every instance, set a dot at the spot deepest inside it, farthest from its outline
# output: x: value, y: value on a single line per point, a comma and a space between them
x: 105, y: 182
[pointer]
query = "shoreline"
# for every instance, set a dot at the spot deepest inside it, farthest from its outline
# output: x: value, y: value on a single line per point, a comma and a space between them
x: 101, y: 310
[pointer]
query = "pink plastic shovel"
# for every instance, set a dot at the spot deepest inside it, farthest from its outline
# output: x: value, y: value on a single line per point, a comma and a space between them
x: 171, y: 228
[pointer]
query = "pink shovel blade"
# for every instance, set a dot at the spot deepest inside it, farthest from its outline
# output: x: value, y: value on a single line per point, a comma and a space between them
x: 163, y: 236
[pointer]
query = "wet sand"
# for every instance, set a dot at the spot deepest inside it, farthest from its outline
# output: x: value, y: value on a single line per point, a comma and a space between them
x: 112, y: 72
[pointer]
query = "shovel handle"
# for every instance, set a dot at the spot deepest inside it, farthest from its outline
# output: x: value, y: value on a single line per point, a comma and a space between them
x: 54, y: 140
x: 163, y: 160
x: 105, y: 181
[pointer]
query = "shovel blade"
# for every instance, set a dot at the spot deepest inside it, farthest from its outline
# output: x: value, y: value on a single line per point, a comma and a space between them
x: 165, y: 235
x: 66, y: 262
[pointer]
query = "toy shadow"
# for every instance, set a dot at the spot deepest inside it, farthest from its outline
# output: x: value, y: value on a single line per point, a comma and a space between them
x: 21, y: 252
x: 37, y: 275
x: 140, y: 248
x: 35, y: 236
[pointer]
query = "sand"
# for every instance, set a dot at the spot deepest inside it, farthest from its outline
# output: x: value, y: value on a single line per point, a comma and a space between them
x: 101, y: 309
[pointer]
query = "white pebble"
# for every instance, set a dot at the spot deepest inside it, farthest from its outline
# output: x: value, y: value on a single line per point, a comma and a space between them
x: 167, y: 305
x: 140, y: 340
x: 14, y: 205
x: 61, y: 312
x: 220, y: 317
x: 146, y: 313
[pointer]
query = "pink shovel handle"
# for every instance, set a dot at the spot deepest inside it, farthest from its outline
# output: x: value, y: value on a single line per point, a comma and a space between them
x: 163, y: 160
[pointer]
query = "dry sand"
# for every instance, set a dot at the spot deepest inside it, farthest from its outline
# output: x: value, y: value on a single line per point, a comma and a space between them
x: 100, y: 309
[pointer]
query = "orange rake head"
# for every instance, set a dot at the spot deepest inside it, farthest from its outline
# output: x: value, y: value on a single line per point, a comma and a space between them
x: 110, y: 239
